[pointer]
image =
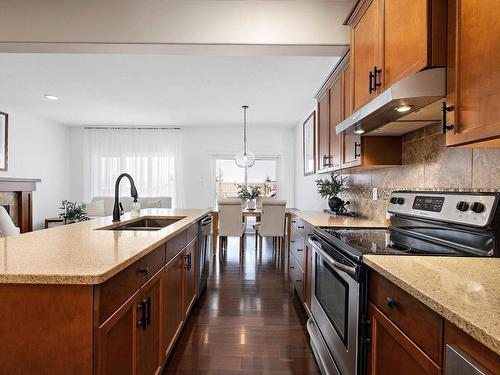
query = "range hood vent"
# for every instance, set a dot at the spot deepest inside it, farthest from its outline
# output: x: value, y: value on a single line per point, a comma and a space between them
x: 416, y: 94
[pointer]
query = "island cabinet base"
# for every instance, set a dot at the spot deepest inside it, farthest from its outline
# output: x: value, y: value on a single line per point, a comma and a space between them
x: 126, y: 325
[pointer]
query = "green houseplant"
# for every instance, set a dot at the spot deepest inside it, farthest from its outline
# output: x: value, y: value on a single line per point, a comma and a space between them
x: 329, y: 188
x: 249, y: 194
x: 72, y: 212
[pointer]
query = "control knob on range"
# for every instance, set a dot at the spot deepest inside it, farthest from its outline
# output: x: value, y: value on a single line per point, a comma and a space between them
x: 400, y: 200
x: 393, y: 200
x: 477, y: 207
x: 462, y: 206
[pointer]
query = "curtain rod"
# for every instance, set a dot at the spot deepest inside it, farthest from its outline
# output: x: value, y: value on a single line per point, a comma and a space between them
x: 128, y: 128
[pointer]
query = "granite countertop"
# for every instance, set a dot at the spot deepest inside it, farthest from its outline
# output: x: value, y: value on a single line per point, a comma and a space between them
x: 465, y: 291
x: 323, y: 219
x: 80, y: 253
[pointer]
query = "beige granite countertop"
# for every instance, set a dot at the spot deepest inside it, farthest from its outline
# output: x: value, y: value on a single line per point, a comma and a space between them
x: 80, y: 254
x: 323, y: 219
x: 465, y: 291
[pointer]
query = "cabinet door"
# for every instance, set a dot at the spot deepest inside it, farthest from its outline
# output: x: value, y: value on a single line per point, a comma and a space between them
x: 351, y: 150
x: 324, y: 131
x: 116, y: 341
x: 405, y: 38
x: 347, y: 91
x: 335, y: 118
x: 172, y: 301
x: 364, y: 53
x: 474, y: 69
x: 392, y: 352
x: 190, y: 275
x: 149, y: 358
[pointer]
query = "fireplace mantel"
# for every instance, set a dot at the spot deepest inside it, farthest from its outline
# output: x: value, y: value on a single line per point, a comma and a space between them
x: 23, y: 189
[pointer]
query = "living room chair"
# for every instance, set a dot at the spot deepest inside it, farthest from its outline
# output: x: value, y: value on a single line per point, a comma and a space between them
x: 231, y: 221
x: 7, y: 227
x: 272, y: 222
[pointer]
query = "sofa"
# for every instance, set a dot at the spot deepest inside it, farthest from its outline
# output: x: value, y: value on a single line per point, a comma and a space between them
x: 103, y: 206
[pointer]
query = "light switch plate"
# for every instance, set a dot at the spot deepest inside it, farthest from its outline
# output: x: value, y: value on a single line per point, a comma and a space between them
x: 375, y: 194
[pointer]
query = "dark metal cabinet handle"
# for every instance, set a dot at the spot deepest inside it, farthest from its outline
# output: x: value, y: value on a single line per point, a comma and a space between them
x: 148, y: 311
x: 445, y: 109
x: 292, y: 241
x: 141, y: 307
x: 376, y: 72
x: 298, y: 280
x: 292, y: 267
x: 187, y: 259
x: 300, y: 249
x: 293, y: 221
x: 325, y: 162
x: 370, y: 83
x: 300, y: 227
x: 144, y: 270
x: 391, y: 302
x: 356, y: 147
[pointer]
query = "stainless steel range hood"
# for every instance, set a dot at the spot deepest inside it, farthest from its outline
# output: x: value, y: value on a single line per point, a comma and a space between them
x: 417, y: 93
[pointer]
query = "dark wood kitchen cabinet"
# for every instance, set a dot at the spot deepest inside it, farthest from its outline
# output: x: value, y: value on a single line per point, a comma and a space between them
x: 173, y: 302
x: 323, y: 132
x: 129, y: 341
x: 391, y: 39
x: 336, y: 116
x: 190, y: 254
x: 473, y: 73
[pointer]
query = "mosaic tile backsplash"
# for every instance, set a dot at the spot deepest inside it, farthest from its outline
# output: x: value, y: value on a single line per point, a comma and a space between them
x: 427, y: 165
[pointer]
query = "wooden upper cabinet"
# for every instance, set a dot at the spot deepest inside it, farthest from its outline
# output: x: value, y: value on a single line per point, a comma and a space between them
x: 323, y: 132
x: 365, y: 46
x: 392, y: 39
x: 474, y: 73
x: 335, y: 118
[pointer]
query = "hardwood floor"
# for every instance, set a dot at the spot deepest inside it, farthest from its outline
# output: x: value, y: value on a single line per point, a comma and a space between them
x: 249, y: 320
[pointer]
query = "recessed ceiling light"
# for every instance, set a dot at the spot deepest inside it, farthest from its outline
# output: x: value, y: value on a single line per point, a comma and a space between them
x: 359, y: 131
x: 403, y: 108
x: 51, y: 97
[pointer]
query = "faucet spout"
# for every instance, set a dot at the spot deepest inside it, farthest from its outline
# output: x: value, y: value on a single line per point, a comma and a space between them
x: 133, y: 193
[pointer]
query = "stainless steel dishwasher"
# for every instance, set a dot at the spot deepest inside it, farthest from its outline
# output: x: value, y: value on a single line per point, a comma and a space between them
x: 204, y: 253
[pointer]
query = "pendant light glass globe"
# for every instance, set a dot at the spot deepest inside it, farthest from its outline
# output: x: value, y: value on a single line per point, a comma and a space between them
x: 245, y: 160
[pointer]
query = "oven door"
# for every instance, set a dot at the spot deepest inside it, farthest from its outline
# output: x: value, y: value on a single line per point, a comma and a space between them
x: 335, y: 306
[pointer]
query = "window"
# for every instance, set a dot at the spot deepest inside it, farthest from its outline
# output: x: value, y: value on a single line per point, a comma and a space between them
x: 148, y: 155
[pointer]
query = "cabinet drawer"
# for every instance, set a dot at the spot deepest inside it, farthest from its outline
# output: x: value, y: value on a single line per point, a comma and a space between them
x: 115, y: 291
x: 422, y: 325
x: 191, y: 232
x: 297, y: 248
x: 176, y: 244
x: 297, y: 277
x: 299, y: 225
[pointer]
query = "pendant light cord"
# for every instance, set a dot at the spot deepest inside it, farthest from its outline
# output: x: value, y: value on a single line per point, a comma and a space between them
x: 245, y: 107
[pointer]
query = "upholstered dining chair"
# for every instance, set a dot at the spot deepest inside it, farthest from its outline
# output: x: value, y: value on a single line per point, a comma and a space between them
x: 231, y: 222
x: 272, y: 222
x: 7, y: 227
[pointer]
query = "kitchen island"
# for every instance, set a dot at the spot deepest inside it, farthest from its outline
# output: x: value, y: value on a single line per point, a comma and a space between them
x: 87, y: 298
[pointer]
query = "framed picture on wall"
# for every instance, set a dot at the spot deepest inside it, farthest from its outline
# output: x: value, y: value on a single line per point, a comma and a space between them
x: 4, y: 125
x: 309, y: 144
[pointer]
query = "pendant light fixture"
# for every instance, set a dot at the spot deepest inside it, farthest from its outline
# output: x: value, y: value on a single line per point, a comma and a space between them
x: 246, y: 158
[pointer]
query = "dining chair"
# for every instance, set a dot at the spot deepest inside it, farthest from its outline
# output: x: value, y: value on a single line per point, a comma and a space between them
x: 272, y: 221
x: 7, y: 227
x: 231, y: 221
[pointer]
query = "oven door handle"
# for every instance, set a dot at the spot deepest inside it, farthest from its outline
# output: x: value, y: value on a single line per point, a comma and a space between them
x: 351, y: 271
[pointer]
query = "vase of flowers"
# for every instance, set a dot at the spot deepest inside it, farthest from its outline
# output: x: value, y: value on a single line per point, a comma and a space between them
x: 329, y: 188
x: 249, y: 195
x: 72, y: 212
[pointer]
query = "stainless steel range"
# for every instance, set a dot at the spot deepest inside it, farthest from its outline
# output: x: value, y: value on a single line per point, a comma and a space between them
x: 422, y: 223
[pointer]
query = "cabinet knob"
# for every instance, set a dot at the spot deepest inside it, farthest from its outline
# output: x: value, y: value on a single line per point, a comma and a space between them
x: 391, y: 302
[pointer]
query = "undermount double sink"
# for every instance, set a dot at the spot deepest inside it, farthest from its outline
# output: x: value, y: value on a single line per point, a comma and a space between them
x: 146, y: 224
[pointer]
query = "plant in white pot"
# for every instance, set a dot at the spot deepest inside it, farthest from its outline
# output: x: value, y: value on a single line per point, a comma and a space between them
x: 249, y: 194
x: 329, y: 188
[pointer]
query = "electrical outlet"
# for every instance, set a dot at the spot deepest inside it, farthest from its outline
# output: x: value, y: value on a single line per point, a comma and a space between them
x: 375, y: 194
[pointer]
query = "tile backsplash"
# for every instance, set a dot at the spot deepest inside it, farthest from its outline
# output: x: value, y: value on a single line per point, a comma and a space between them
x: 427, y: 165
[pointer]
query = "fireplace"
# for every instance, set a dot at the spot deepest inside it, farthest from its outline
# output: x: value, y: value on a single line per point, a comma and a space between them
x: 16, y: 196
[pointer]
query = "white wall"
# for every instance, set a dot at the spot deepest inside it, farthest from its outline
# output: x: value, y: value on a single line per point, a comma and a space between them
x: 40, y: 148
x: 198, y: 144
x: 306, y: 197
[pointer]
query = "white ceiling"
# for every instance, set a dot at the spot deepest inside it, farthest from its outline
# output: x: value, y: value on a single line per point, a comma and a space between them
x: 163, y: 89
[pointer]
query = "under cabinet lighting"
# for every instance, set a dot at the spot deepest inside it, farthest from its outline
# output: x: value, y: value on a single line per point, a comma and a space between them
x: 51, y: 97
x: 359, y: 131
x: 403, y: 108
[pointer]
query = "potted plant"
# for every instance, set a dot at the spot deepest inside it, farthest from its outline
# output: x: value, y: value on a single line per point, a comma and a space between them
x: 329, y: 188
x: 72, y: 212
x: 249, y: 194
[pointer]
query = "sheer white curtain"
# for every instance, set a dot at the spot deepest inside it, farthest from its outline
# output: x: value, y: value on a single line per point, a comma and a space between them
x: 150, y: 156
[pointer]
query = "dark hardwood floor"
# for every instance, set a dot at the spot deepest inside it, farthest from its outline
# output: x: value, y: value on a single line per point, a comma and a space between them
x: 249, y: 321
